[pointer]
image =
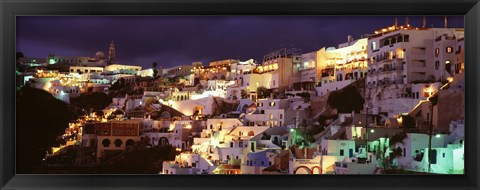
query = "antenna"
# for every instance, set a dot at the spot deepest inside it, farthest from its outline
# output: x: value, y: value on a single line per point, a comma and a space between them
x: 424, y: 22
x: 445, y: 21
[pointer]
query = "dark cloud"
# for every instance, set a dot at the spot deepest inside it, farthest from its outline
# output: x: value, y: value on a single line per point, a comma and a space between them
x: 177, y: 40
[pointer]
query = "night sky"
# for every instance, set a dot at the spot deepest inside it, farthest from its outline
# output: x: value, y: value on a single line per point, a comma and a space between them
x: 181, y: 40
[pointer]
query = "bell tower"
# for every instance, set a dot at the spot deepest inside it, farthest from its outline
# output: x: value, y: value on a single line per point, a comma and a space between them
x: 111, y: 52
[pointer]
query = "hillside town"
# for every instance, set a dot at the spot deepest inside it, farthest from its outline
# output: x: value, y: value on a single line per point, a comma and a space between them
x: 389, y: 102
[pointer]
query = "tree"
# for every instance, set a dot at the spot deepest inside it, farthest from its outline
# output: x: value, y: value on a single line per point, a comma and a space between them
x: 155, y: 71
x: 243, y: 94
x: 346, y: 100
x: 408, y: 122
x: 263, y: 92
x: 95, y: 100
x: 19, y: 55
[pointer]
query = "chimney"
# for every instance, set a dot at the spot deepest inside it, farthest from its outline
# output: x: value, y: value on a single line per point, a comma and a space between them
x: 445, y: 21
x: 349, y: 38
x: 396, y: 22
x: 424, y: 22
x: 406, y: 21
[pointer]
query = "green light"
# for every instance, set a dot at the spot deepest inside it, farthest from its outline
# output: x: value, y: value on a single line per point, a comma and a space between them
x: 292, y: 130
x: 52, y: 61
x: 372, y: 131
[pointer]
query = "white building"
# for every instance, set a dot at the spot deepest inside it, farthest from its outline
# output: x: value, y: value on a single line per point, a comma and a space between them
x: 401, y: 56
x: 118, y: 67
x: 342, y: 66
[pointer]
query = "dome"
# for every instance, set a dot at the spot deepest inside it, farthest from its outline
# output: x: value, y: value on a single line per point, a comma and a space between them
x: 100, y: 55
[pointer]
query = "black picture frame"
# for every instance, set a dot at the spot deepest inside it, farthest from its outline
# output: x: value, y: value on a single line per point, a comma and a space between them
x: 9, y: 9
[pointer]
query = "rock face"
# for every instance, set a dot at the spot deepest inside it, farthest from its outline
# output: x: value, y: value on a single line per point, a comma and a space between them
x: 37, y: 129
x: 348, y: 99
x: 220, y: 106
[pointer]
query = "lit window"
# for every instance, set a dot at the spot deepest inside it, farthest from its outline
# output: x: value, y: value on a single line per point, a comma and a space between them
x: 374, y: 46
x: 449, y: 49
x: 272, y: 104
x: 437, y: 51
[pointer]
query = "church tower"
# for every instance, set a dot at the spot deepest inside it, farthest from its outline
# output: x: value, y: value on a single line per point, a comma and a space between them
x: 111, y: 52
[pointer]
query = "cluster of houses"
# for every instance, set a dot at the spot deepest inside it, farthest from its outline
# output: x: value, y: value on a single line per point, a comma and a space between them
x: 273, y: 117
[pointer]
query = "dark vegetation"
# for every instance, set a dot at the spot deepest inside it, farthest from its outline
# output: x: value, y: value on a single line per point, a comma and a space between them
x: 140, y: 160
x: 95, y: 100
x: 263, y: 92
x: 346, y: 100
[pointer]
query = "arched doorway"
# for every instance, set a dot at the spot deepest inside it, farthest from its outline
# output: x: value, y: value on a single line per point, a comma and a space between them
x: 163, y: 141
x: 316, y: 170
x: 129, y: 142
x: 118, y: 143
x: 197, y: 110
x: 302, y: 170
x: 106, y: 142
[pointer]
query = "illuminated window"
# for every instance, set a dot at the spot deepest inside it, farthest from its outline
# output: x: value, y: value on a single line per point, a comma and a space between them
x: 374, y: 46
x: 437, y: 51
x: 271, y: 116
x: 272, y: 104
x: 449, y: 49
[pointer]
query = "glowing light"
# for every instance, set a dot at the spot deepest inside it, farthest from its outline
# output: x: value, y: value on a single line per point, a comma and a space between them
x: 438, y: 136
x: 372, y: 131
